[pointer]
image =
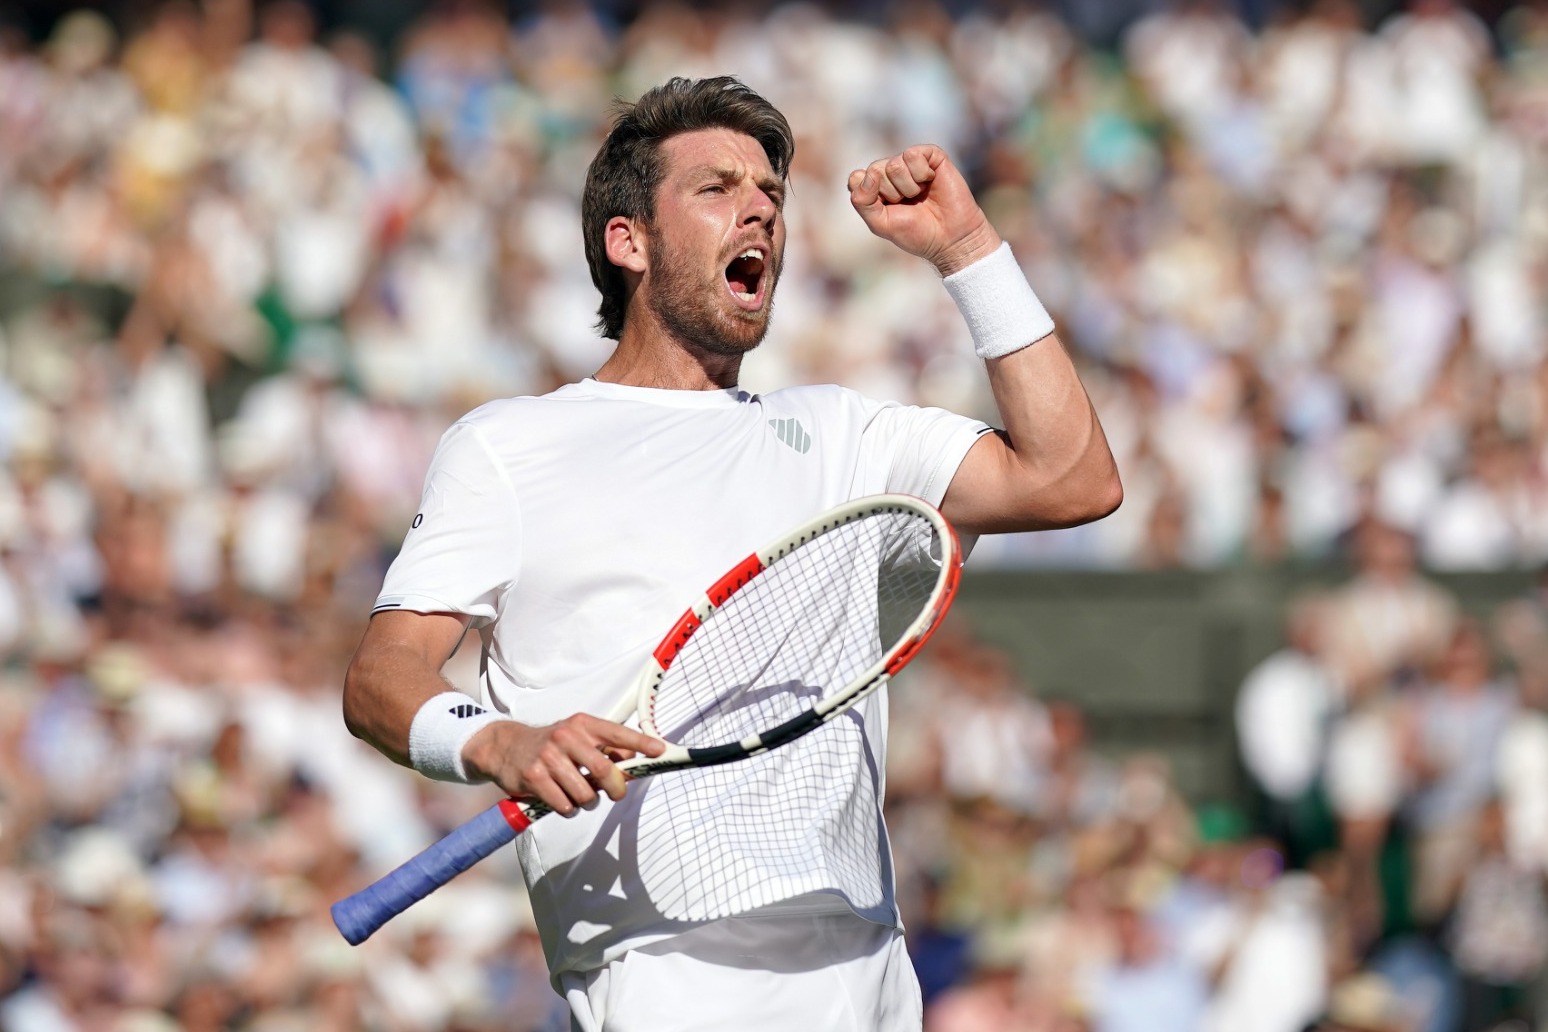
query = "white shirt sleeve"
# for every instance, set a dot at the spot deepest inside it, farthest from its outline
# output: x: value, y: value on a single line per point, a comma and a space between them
x: 915, y: 450
x: 1364, y: 772
x: 462, y: 550
x: 1279, y: 723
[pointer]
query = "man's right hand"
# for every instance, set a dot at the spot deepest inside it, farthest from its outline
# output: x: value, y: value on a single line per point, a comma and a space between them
x: 562, y: 764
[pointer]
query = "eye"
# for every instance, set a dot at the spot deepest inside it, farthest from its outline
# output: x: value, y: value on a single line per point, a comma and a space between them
x: 713, y: 188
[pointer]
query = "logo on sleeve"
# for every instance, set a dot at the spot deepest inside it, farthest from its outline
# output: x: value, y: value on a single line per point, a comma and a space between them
x: 791, y: 432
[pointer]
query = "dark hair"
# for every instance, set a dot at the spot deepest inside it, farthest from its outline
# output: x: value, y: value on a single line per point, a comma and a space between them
x: 623, y: 177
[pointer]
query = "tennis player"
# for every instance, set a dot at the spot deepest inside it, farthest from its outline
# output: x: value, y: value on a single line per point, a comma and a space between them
x: 570, y: 530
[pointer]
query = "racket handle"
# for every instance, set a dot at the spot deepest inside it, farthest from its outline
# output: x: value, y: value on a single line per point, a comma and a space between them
x: 360, y: 915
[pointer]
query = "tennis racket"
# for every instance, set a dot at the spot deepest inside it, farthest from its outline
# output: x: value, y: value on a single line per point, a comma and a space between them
x: 788, y: 639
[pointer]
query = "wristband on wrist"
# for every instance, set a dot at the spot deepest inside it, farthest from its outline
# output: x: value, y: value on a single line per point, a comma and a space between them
x: 1002, y: 312
x: 441, y: 728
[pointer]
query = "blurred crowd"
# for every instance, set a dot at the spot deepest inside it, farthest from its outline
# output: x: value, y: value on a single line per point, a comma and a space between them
x: 1389, y: 873
x: 1305, y: 271
x: 250, y: 271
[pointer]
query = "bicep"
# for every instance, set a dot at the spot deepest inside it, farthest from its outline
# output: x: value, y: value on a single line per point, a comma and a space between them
x: 984, y: 496
x: 998, y: 490
x: 428, y: 637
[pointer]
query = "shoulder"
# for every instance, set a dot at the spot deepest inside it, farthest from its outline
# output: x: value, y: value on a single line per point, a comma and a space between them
x: 811, y: 393
x: 506, y: 415
x: 492, y: 413
x: 817, y: 398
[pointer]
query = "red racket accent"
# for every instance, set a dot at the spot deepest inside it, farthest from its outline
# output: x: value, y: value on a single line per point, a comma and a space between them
x: 717, y: 594
x: 909, y: 651
x: 739, y: 575
x: 513, y: 815
x: 677, y: 638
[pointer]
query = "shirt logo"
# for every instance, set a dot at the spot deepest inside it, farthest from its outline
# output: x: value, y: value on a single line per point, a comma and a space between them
x: 791, y: 432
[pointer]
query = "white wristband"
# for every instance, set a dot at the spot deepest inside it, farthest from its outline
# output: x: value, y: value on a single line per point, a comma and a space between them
x: 441, y: 728
x: 1002, y: 312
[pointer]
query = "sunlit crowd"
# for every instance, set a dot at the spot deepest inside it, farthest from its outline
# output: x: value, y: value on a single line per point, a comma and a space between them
x: 1389, y: 874
x: 251, y: 268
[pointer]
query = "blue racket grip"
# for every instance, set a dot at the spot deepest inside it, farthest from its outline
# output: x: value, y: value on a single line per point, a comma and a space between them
x: 360, y: 915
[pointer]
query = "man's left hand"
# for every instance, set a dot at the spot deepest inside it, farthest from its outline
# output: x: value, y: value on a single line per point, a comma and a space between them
x: 920, y: 202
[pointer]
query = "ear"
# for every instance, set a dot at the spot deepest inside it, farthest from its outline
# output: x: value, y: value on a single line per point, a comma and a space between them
x: 624, y: 241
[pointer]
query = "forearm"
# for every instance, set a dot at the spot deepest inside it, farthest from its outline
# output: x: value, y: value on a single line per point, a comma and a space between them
x: 397, y: 670
x: 1050, y: 466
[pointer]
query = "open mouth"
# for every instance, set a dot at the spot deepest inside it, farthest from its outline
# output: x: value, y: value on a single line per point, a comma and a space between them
x: 745, y: 276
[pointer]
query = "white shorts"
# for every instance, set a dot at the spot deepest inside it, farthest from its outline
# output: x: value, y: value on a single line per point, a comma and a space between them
x: 824, y: 973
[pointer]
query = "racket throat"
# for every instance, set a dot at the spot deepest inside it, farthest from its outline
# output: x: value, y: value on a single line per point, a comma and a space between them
x: 795, y: 727
x: 791, y: 729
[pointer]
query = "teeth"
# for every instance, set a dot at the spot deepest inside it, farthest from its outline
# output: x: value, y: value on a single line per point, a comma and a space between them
x: 744, y: 297
x: 752, y: 252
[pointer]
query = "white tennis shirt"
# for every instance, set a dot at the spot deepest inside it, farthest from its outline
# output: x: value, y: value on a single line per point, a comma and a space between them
x: 574, y: 529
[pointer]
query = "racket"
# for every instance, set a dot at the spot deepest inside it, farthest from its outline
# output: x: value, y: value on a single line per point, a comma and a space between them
x: 790, y: 638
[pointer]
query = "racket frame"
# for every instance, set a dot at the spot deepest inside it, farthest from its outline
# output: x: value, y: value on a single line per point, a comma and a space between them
x: 639, y: 701
x: 744, y: 573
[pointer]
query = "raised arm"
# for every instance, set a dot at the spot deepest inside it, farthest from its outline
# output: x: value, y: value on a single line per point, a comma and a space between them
x: 397, y: 670
x: 1050, y: 466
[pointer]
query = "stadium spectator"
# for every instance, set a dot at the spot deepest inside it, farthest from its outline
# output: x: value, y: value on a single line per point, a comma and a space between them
x: 1451, y: 750
x: 1146, y: 986
x: 1283, y: 712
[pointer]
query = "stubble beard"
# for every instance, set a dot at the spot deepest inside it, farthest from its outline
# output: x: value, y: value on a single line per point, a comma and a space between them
x: 686, y: 305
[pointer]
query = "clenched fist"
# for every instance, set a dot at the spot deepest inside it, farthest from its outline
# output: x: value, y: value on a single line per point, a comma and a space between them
x: 920, y: 202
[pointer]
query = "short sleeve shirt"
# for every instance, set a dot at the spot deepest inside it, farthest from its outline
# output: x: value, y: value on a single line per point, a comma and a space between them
x: 574, y: 528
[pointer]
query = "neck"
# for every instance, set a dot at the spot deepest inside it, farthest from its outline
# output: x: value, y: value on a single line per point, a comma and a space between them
x: 649, y: 355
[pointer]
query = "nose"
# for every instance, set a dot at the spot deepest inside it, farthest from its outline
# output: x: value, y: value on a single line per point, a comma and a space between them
x: 758, y: 207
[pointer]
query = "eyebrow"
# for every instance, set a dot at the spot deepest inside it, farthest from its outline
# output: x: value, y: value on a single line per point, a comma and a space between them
x: 771, y: 185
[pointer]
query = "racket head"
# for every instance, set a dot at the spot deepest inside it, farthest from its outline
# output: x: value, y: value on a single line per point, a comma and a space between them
x: 799, y: 631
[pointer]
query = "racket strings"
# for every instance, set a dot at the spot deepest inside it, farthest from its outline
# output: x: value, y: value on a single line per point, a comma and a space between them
x: 804, y: 817
x: 806, y: 627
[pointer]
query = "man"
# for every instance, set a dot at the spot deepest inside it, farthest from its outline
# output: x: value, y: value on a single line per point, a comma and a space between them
x: 571, y: 529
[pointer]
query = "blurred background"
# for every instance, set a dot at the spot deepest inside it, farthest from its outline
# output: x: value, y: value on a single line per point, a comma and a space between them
x: 1265, y: 751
